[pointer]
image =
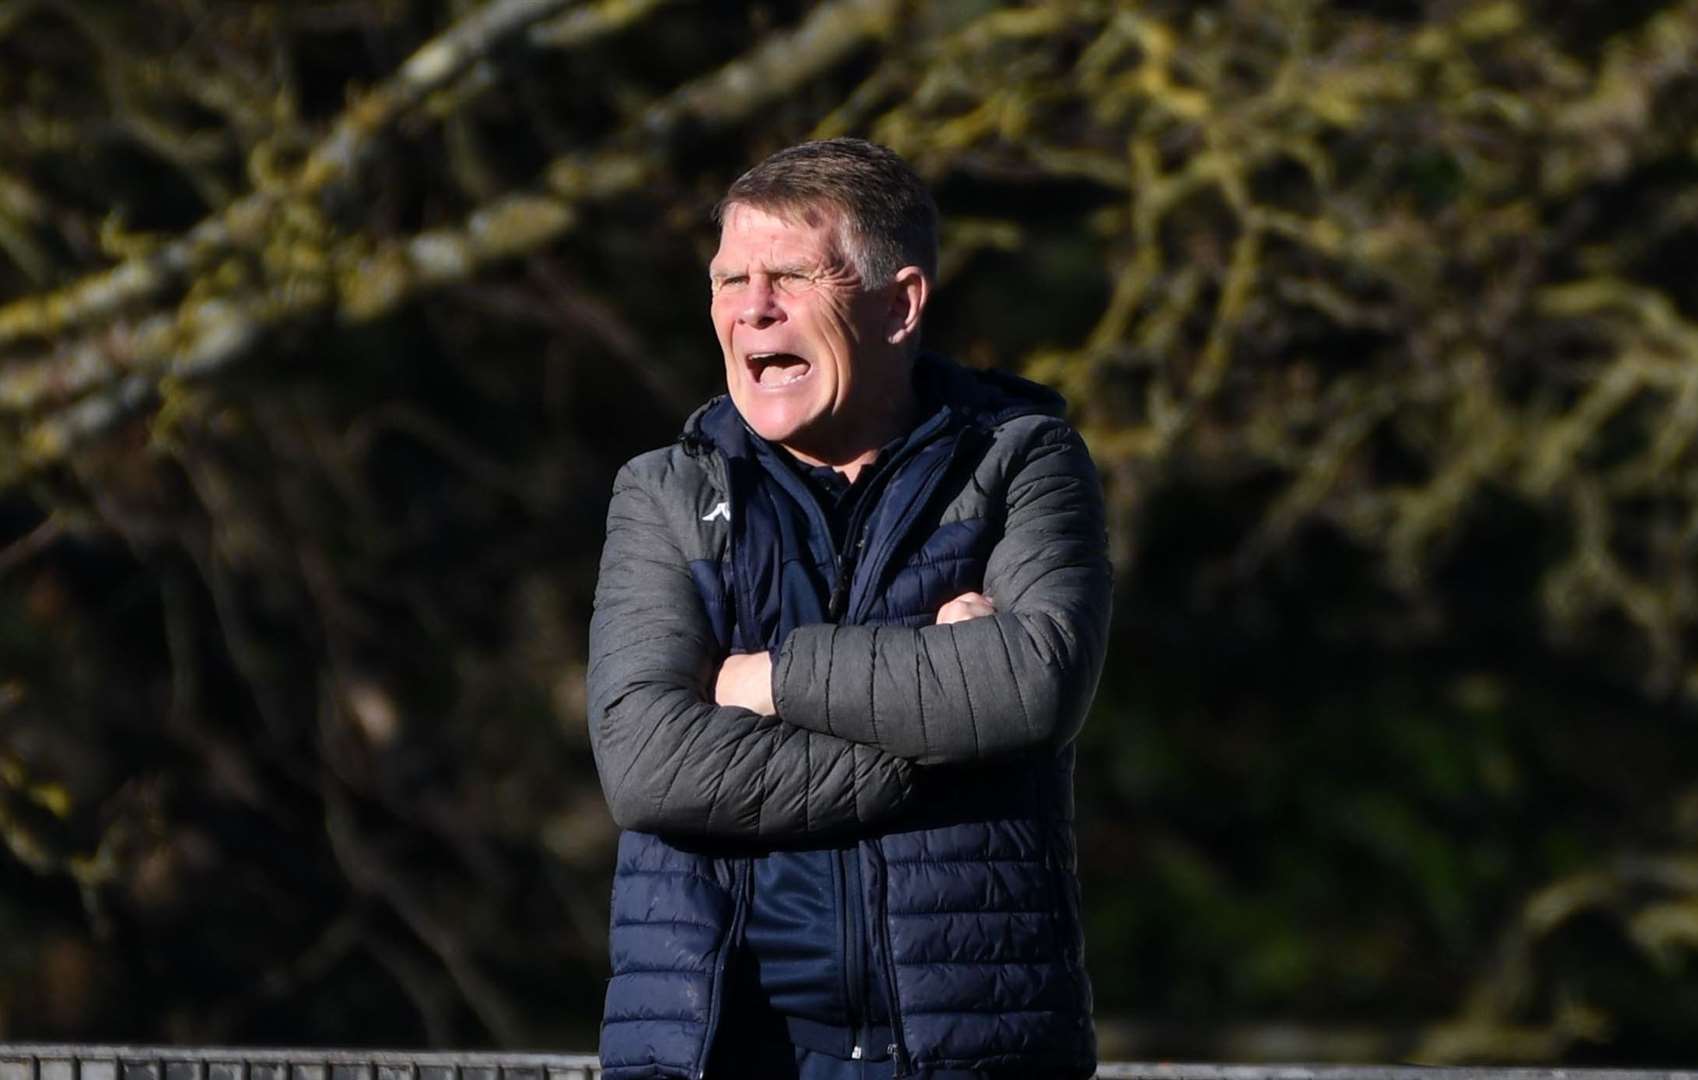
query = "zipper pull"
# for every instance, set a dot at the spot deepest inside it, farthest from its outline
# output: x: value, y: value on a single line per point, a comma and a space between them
x: 901, y: 1059
x: 845, y: 574
x: 839, y: 595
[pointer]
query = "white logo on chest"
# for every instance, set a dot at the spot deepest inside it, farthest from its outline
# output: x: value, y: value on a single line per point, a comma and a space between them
x: 723, y: 510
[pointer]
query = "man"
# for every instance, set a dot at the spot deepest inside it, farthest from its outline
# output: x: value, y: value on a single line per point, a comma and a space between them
x: 845, y: 632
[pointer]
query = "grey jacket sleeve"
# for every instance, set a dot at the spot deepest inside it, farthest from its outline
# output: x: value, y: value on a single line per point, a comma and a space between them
x: 670, y: 760
x: 1020, y: 679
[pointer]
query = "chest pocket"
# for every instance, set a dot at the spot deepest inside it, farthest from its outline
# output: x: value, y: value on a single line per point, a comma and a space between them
x: 948, y: 562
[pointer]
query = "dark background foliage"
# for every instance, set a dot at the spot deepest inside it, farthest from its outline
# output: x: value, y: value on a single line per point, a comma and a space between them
x: 323, y: 326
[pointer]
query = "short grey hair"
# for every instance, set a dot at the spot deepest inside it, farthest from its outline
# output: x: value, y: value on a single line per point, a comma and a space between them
x: 886, y: 215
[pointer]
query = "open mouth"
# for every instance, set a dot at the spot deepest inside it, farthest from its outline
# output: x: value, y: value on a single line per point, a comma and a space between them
x: 772, y: 370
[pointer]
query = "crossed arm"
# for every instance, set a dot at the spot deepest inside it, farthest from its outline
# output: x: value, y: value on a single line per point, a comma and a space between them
x: 987, y: 680
x: 673, y: 760
x: 826, y: 736
x: 745, y: 680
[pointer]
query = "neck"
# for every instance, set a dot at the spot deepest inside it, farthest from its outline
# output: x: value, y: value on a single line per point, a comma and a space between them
x: 859, y: 448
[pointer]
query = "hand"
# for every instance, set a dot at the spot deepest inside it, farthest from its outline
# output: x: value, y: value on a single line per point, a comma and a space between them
x: 745, y: 680
x: 969, y: 605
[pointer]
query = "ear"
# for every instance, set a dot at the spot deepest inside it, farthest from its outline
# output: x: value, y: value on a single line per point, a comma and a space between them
x: 909, y: 291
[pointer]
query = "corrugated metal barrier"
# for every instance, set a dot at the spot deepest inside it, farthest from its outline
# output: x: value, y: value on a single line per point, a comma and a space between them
x: 31, y: 1061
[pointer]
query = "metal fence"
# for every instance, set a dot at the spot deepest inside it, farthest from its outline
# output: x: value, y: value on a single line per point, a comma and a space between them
x: 20, y: 1061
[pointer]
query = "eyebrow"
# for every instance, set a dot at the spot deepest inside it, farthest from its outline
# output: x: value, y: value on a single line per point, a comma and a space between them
x: 782, y: 268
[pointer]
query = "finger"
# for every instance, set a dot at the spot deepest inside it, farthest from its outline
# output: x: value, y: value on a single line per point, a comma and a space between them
x: 962, y: 608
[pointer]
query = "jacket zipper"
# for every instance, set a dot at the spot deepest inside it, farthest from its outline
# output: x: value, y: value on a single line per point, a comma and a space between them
x: 852, y: 904
x: 716, y: 1005
x: 880, y: 557
x: 854, y: 981
x: 856, y: 922
x: 846, y: 562
x: 881, y: 932
x: 855, y: 538
x: 851, y: 927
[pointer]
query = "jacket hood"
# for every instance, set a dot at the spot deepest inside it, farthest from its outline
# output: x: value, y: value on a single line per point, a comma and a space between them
x: 982, y: 398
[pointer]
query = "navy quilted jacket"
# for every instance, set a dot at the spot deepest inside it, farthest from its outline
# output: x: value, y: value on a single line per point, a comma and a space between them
x: 943, y: 753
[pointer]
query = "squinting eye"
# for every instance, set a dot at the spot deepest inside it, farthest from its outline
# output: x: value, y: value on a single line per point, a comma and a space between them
x: 790, y: 282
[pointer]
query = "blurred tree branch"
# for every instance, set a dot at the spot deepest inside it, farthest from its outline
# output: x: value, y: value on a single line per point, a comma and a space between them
x: 318, y: 270
x: 322, y: 327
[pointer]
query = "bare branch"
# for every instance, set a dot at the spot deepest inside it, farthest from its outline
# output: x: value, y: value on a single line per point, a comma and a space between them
x: 337, y: 157
x: 333, y: 161
x: 208, y: 336
x: 373, y: 874
x: 30, y: 545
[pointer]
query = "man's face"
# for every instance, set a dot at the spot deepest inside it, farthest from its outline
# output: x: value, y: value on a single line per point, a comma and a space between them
x: 807, y: 359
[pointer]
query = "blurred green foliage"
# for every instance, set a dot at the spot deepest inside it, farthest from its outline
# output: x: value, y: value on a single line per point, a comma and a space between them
x: 323, y: 326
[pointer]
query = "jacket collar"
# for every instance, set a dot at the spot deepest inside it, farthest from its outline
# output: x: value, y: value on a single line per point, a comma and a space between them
x: 980, y: 398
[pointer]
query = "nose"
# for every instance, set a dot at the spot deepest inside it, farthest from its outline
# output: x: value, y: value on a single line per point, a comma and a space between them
x: 760, y: 303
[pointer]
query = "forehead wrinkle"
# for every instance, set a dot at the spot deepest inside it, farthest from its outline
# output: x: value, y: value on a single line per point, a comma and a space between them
x: 772, y: 256
x: 830, y: 223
